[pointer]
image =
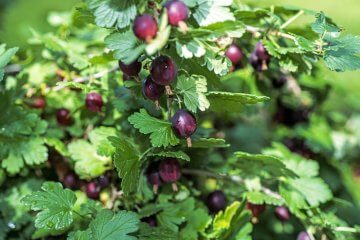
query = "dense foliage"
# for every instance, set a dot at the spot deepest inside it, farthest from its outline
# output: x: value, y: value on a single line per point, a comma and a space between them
x: 179, y: 119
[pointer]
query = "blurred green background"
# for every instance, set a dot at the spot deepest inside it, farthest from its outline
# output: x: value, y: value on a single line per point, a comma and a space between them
x: 18, y: 16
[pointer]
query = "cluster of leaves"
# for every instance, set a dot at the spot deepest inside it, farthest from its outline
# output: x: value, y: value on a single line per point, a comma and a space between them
x: 130, y: 133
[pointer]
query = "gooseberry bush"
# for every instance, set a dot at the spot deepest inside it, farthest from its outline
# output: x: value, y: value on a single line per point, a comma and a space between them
x: 179, y: 119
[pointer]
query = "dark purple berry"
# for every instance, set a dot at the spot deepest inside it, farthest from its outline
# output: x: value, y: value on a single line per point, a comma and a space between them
x: 153, y: 176
x: 103, y: 181
x: 94, y: 102
x: 299, y: 146
x: 92, y: 190
x: 145, y: 27
x: 177, y: 12
x: 282, y: 213
x: 256, y: 209
x: 216, y: 201
x: 63, y: 117
x: 163, y: 70
x: 170, y: 171
x: 132, y: 69
x: 303, y: 236
x: 151, y: 220
x: 184, y: 124
x: 261, y: 52
x: 234, y: 54
x: 151, y: 90
x: 289, y: 116
x: 259, y: 58
x: 70, y: 181
x: 255, y: 62
x: 38, y: 102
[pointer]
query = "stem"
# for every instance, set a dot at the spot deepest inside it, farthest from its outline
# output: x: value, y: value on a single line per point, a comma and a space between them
x: 346, y: 229
x: 257, y: 32
x: 233, y: 178
x: 114, y: 195
x: 82, y: 216
x: 292, y: 19
x: 168, y: 104
x: 87, y: 78
x: 146, y: 152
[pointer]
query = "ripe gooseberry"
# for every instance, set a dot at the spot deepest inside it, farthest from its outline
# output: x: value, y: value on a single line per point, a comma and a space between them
x: 92, y: 190
x: 153, y: 176
x: 184, y: 125
x: 163, y: 72
x: 234, y: 54
x: 63, y: 117
x: 216, y: 201
x: 282, y: 213
x: 145, y: 27
x: 152, y: 91
x: 94, y: 102
x: 170, y: 171
x: 178, y: 13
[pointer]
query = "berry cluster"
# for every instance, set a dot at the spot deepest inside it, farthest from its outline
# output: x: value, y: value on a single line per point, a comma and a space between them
x: 92, y: 189
x: 167, y: 171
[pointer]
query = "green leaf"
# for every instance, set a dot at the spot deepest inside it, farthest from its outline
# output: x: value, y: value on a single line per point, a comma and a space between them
x: 58, y: 145
x: 79, y: 235
x: 77, y: 85
x: 252, y: 17
x: 209, y: 143
x: 227, y: 224
x: 254, y: 165
x: 220, y: 65
x: 197, y: 221
x: 212, y: 11
x: 126, y: 46
x: 234, y: 29
x: 5, y: 58
x: 294, y: 200
x: 296, y: 163
x: 193, y: 89
x: 232, y: 102
x: 342, y: 54
x: 323, y: 27
x: 54, y: 205
x: 127, y: 163
x: 109, y: 226
x: 155, y: 233
x: 31, y: 151
x: 11, y: 208
x: 160, y: 131
x: 110, y: 13
x: 88, y: 164
x: 190, y: 3
x: 99, y: 138
x: 257, y: 197
x: 172, y: 215
x: 190, y: 49
x: 314, y: 190
x: 168, y: 154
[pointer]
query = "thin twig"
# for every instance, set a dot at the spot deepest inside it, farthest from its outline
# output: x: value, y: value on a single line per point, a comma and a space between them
x: 87, y: 78
x: 292, y: 19
x: 257, y: 32
x: 233, y: 178
x: 115, y: 194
